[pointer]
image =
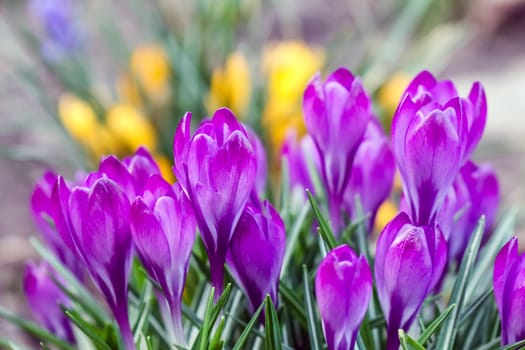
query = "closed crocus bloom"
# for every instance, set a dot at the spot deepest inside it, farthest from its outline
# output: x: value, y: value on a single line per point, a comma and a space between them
x: 288, y: 65
x: 372, y: 173
x: 257, y: 251
x: 41, y: 210
x: 425, y: 88
x: 216, y: 167
x: 429, y: 144
x: 94, y: 222
x: 509, y: 291
x: 164, y: 232
x: 231, y: 86
x: 130, y: 127
x: 336, y: 114
x: 45, y: 298
x: 343, y: 287
x: 474, y: 193
x: 409, y: 263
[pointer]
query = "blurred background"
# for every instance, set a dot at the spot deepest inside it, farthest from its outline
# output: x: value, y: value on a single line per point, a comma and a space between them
x: 81, y: 79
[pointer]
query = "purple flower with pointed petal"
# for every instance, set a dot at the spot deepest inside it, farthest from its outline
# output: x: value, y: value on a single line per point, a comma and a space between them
x: 372, y: 173
x: 257, y: 251
x: 164, y: 231
x: 429, y: 145
x: 343, y: 287
x: 426, y: 89
x: 94, y: 223
x: 509, y: 291
x: 44, y: 298
x: 409, y: 263
x: 336, y: 114
x: 41, y: 204
x: 474, y: 193
x: 216, y: 167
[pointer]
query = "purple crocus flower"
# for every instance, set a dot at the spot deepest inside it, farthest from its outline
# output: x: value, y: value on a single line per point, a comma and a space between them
x: 164, y: 231
x: 257, y: 251
x: 216, y: 167
x: 372, y: 173
x: 94, y: 223
x: 509, y: 278
x: 336, y: 114
x: 475, y: 192
x: 343, y: 287
x: 409, y: 263
x: 57, y: 19
x: 426, y: 89
x: 44, y: 298
x: 429, y: 140
x: 43, y: 218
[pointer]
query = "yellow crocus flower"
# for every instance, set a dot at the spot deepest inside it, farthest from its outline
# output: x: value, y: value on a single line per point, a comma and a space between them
x: 231, y: 86
x: 130, y: 127
x: 289, y: 67
x: 150, y: 69
x: 391, y: 92
x: 386, y: 212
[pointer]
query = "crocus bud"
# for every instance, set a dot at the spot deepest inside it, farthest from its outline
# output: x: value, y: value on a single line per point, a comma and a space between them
x: 343, y: 287
x: 44, y: 298
x: 94, y: 223
x: 257, y: 251
x: 475, y: 192
x: 409, y: 263
x: 164, y: 232
x: 429, y: 141
x: 336, y: 114
x: 372, y: 174
x: 509, y: 278
x: 216, y: 167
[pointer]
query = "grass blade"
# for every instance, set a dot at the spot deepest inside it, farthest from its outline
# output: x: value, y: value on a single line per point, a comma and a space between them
x: 310, y: 313
x: 243, y: 338
x: 433, y: 327
x: 324, y: 228
x: 272, y: 329
x: 408, y: 343
x: 447, y: 337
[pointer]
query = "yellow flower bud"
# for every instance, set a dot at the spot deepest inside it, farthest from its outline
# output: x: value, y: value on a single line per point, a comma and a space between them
x: 231, y: 86
x: 77, y: 117
x: 151, y: 69
x: 289, y: 67
x: 130, y: 127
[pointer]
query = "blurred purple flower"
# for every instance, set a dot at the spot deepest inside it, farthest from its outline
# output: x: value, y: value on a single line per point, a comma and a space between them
x: 409, y: 263
x: 94, y: 223
x: 43, y: 217
x: 217, y: 168
x: 343, y: 287
x: 426, y: 89
x: 372, y: 173
x: 164, y: 232
x: 336, y: 114
x: 429, y: 140
x: 62, y: 35
x: 509, y: 279
x: 257, y: 251
x: 475, y: 192
x: 44, y: 298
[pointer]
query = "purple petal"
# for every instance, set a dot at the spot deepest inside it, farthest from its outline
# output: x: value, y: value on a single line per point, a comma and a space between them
x: 181, y: 144
x: 504, y: 260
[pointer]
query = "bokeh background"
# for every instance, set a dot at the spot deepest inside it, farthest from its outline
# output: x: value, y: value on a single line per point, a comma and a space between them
x: 385, y: 41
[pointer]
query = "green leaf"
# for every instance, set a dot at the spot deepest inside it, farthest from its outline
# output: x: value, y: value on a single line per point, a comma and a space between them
x: 324, y: 228
x: 216, y: 342
x: 514, y: 346
x: 498, y: 238
x: 290, y: 299
x: 409, y: 343
x: 447, y: 336
x: 144, y: 310
x: 272, y: 329
x: 36, y: 330
x: 243, y: 338
x: 88, y: 329
x: 211, y: 315
x: 474, y: 306
x: 315, y: 343
x: 292, y: 237
x: 433, y: 327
